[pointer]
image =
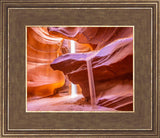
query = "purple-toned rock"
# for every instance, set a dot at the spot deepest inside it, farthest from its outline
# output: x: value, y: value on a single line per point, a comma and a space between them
x: 97, y: 37
x: 113, y: 72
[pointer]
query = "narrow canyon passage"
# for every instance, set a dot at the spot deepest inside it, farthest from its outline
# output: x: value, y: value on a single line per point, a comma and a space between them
x: 80, y: 69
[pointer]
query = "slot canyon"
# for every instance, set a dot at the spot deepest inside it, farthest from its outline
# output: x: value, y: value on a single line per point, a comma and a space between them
x: 80, y: 69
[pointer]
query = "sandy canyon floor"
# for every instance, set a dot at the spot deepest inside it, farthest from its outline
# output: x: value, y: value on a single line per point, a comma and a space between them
x: 62, y: 103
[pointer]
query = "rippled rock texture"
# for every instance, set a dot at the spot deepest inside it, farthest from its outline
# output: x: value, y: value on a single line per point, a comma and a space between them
x: 112, y: 64
x: 50, y: 64
x: 42, y: 49
x: 97, y: 37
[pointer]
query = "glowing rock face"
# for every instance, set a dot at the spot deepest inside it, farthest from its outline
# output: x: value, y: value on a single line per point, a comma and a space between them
x: 42, y: 49
x: 112, y: 65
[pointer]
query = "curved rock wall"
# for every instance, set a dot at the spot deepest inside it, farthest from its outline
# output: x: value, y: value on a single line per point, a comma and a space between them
x: 97, y: 37
x: 42, y: 49
x: 49, y: 61
x: 112, y: 65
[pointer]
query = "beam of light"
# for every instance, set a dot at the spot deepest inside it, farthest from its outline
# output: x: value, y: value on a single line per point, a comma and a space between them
x: 73, y: 90
x: 73, y: 47
x: 91, y: 84
x: 91, y: 81
x: 73, y: 86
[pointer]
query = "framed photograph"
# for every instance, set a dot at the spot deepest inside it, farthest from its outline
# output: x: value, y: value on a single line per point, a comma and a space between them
x: 80, y: 68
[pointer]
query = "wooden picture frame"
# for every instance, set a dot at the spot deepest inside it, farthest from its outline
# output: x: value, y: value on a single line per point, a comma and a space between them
x: 143, y: 15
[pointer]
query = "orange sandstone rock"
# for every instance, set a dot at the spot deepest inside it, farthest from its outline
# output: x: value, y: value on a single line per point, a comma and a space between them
x: 42, y: 49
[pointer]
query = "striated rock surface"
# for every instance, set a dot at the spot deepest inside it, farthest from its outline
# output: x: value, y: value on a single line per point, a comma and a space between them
x: 42, y: 49
x: 112, y: 69
x: 50, y: 64
x: 97, y: 37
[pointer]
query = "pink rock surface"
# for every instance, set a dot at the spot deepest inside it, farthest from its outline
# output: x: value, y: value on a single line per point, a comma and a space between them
x: 98, y: 37
x: 49, y: 62
x: 112, y: 69
x: 42, y: 49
